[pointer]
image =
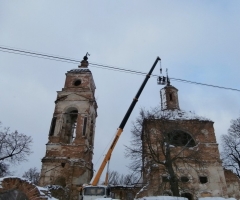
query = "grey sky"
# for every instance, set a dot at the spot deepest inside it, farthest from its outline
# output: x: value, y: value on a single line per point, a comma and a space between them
x: 196, y: 40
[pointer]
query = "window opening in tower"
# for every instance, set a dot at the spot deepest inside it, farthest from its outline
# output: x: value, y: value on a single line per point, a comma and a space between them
x: 180, y: 138
x: 70, y: 127
x: 84, y: 126
x: 52, y: 127
x: 170, y: 96
x: 74, y: 126
x: 203, y: 179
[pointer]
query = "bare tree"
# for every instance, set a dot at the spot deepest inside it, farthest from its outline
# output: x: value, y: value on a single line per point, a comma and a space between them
x: 4, y: 169
x: 113, y: 178
x: 120, y: 179
x: 160, y: 146
x: 14, y: 147
x: 32, y: 175
x: 231, y: 147
x: 130, y: 179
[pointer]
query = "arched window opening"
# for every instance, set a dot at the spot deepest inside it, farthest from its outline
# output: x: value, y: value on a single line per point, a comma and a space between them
x: 77, y: 82
x: 52, y: 127
x: 74, y: 126
x: 184, y: 179
x: 203, y: 179
x: 73, y: 116
x: 180, y: 138
x: 70, y: 125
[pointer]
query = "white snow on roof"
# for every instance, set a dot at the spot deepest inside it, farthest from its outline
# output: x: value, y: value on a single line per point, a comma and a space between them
x: 5, y: 177
x: 181, y: 115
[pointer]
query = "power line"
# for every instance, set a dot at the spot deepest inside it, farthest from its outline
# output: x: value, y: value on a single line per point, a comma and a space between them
x: 204, y: 84
x: 62, y: 59
x: 70, y: 60
x: 37, y: 54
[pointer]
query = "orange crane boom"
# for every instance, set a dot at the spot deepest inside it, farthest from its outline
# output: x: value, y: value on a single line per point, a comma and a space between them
x: 123, y: 123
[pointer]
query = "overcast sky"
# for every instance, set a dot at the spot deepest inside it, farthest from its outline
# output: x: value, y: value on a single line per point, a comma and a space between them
x: 196, y: 40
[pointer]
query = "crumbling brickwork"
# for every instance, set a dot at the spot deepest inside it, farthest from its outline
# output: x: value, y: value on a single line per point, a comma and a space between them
x: 69, y: 151
x: 125, y: 192
x: 200, y: 175
x: 13, y: 187
x: 233, y: 184
x: 203, y: 135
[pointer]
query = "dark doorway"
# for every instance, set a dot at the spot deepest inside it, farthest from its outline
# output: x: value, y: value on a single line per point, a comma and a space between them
x: 13, y: 195
x: 187, y: 195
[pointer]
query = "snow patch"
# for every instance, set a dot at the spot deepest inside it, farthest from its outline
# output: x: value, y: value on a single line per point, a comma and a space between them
x: 181, y: 115
x: 215, y: 198
x: 104, y: 199
x: 182, y: 198
x: 162, y: 198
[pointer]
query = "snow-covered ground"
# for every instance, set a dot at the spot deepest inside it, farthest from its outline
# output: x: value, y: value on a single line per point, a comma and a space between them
x: 170, y: 198
x: 182, y: 198
x: 45, y: 192
x: 162, y: 198
x: 216, y: 198
x: 42, y: 189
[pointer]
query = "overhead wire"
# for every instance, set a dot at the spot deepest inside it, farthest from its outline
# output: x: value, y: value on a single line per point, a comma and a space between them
x: 108, y: 67
x: 205, y: 84
x: 37, y: 55
x: 63, y: 59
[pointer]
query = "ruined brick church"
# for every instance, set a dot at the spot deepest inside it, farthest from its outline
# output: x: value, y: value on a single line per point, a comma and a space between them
x: 69, y: 150
x: 192, y: 138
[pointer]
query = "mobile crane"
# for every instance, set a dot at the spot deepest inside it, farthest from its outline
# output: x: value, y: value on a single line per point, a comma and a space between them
x: 91, y: 192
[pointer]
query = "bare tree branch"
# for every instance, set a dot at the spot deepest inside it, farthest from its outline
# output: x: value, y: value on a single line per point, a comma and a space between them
x: 120, y: 179
x: 32, y: 175
x: 231, y: 147
x: 158, y: 141
x: 14, y: 147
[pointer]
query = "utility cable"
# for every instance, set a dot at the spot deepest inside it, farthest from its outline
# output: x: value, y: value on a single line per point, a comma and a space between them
x: 70, y: 60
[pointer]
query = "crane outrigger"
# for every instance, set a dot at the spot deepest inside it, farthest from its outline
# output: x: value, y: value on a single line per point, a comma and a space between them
x: 92, y: 191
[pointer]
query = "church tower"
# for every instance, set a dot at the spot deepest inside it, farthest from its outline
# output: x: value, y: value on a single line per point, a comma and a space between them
x: 186, y: 141
x: 69, y: 151
x: 169, y: 98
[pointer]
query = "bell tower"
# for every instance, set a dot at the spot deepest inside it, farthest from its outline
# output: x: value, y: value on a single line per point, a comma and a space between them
x: 169, y: 98
x: 69, y: 151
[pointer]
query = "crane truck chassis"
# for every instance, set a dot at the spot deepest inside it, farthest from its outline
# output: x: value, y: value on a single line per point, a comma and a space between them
x: 92, y: 191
